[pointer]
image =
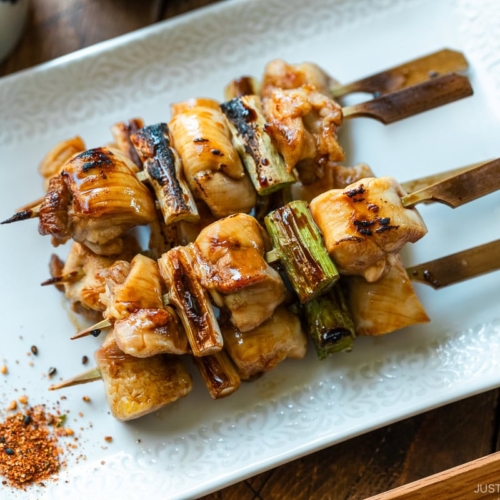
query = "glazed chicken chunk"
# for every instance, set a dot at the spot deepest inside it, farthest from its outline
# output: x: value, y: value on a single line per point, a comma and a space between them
x: 365, y: 225
x: 303, y: 124
x: 94, y: 200
x: 87, y: 272
x: 133, y: 298
x: 211, y: 164
x: 233, y: 250
x: 279, y: 75
x: 135, y: 387
x: 386, y: 305
x: 260, y: 350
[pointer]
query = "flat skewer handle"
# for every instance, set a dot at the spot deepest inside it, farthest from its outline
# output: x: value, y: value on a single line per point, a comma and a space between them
x: 413, y: 100
x: 408, y: 74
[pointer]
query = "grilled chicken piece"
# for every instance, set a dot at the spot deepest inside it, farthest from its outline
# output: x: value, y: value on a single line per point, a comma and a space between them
x: 147, y: 332
x: 303, y: 124
x: 211, y: 165
x: 233, y: 249
x: 95, y: 200
x: 132, y: 286
x: 386, y: 305
x: 134, y: 386
x: 90, y: 271
x: 278, y: 75
x: 121, y: 134
x: 364, y: 225
x: 332, y: 177
x: 260, y: 350
x: 56, y: 158
x: 133, y: 298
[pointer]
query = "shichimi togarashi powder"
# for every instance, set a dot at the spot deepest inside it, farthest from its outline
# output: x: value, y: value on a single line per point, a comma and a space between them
x: 29, y: 451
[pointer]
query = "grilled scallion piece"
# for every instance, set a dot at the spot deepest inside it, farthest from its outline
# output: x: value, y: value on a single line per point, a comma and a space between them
x: 299, y: 246
x: 329, y: 323
x: 264, y: 164
x: 163, y: 170
x: 191, y: 300
x: 245, y: 85
x: 219, y: 374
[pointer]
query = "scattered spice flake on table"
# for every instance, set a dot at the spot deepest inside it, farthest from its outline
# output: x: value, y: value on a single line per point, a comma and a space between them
x: 29, y: 450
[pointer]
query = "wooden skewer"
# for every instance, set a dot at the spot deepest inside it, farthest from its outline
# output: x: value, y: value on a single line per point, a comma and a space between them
x: 24, y: 215
x: 461, y: 188
x: 33, y: 204
x: 65, y: 278
x: 406, y: 75
x: 94, y: 330
x: 428, y: 180
x: 465, y: 482
x: 412, y: 100
x: 83, y: 378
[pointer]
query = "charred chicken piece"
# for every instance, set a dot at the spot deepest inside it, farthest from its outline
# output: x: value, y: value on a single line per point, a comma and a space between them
x: 163, y: 170
x: 121, y: 134
x: 365, y: 225
x: 279, y: 75
x: 95, y: 200
x: 134, y: 386
x: 57, y: 157
x: 232, y: 251
x: 303, y: 124
x: 386, y: 305
x: 260, y: 350
x: 90, y: 271
x: 211, y: 164
x: 133, y: 298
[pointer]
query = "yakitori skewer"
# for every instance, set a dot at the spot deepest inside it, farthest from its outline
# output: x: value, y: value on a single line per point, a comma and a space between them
x: 272, y: 140
x: 367, y: 222
x: 406, y: 75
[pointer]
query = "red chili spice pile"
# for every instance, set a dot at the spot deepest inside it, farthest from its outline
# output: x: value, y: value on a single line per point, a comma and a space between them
x: 29, y: 452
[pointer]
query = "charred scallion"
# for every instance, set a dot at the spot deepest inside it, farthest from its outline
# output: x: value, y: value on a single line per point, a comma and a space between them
x: 191, y: 300
x: 245, y: 85
x: 163, y: 170
x: 299, y: 246
x: 266, y: 167
x: 329, y: 323
x: 219, y: 374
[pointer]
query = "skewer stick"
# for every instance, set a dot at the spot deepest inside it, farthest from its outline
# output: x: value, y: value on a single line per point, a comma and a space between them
x: 31, y: 205
x: 94, y: 330
x: 428, y: 180
x: 413, y: 100
x: 83, y: 378
x: 458, y: 267
x: 407, y: 74
x: 65, y: 278
x: 461, y: 188
x: 24, y: 215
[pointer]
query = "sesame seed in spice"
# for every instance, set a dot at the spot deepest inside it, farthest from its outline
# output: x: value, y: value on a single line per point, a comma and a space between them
x: 30, y: 451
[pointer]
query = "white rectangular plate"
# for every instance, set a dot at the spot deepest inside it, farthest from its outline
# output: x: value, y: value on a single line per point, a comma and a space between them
x: 198, y: 445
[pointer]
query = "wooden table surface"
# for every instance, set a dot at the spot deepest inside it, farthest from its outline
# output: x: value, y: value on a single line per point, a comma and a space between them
x: 358, y: 468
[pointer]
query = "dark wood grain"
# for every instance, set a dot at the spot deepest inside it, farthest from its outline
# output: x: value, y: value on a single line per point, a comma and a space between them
x: 361, y: 467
